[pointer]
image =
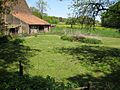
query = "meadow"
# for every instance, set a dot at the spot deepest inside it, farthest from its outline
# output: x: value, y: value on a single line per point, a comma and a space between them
x: 98, y: 31
x: 76, y: 62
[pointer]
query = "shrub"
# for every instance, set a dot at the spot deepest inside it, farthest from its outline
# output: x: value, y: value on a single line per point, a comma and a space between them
x: 13, y: 82
x: 18, y: 41
x: 69, y: 38
x: 91, y: 41
x: 82, y: 39
x: 5, y: 39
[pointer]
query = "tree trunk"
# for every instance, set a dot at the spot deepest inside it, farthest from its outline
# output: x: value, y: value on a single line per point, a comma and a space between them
x: 20, y: 69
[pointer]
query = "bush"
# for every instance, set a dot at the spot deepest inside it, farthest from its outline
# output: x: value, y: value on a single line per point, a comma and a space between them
x: 5, y: 39
x: 13, y: 82
x: 82, y: 39
x: 91, y: 41
x: 69, y: 38
x: 18, y: 41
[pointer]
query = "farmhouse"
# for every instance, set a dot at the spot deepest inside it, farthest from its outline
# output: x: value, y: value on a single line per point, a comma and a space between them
x: 21, y: 20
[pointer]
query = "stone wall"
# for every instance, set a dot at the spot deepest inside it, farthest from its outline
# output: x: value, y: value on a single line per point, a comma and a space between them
x: 24, y: 28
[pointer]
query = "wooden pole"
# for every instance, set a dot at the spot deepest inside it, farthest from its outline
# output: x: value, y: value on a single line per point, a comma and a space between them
x: 20, y: 69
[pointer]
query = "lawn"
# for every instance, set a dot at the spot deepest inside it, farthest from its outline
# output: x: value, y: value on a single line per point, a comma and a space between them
x: 49, y: 61
x: 74, y: 61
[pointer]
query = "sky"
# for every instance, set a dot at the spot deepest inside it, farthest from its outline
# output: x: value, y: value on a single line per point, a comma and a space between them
x: 55, y: 7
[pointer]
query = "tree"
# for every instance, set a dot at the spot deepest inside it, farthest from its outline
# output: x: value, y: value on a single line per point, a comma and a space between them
x: 36, y: 12
x: 112, y: 19
x: 91, y: 8
x: 71, y: 21
x: 51, y: 19
x: 42, y: 6
x: 85, y: 21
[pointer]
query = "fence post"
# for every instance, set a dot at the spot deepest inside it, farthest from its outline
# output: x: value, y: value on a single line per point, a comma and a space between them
x: 20, y: 69
x: 89, y: 85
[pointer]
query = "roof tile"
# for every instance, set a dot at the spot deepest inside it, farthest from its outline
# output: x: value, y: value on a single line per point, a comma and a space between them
x: 30, y: 19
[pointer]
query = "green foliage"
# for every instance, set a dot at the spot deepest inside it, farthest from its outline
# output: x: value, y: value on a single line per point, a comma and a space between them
x: 71, y: 21
x: 5, y: 39
x: 41, y: 5
x: 24, y: 35
x: 51, y: 19
x: 91, y: 41
x: 44, y: 16
x: 18, y: 41
x: 36, y: 12
x: 81, y: 39
x: 65, y: 37
x: 85, y: 20
x: 99, y: 31
x: 111, y: 17
x: 11, y: 82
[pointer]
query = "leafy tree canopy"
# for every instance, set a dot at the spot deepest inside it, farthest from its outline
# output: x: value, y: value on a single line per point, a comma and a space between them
x: 110, y: 18
x: 90, y: 8
x: 41, y: 5
x: 36, y: 12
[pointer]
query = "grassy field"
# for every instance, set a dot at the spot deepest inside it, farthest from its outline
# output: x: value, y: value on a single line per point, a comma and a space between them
x: 73, y: 61
x: 77, y: 62
x: 99, y: 31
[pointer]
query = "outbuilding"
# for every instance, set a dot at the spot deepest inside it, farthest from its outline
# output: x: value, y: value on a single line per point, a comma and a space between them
x: 21, y: 20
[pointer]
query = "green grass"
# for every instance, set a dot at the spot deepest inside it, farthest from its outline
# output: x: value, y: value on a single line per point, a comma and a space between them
x: 48, y: 61
x: 54, y: 59
x: 111, y: 42
x: 99, y: 31
x: 77, y: 62
x: 68, y: 64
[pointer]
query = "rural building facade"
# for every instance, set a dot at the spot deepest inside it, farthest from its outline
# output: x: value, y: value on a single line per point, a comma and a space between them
x: 21, y: 20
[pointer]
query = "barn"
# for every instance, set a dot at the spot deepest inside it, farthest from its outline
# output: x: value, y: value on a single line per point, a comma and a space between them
x: 21, y: 20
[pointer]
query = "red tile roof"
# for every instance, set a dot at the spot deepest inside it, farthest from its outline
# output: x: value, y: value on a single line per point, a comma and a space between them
x: 30, y: 19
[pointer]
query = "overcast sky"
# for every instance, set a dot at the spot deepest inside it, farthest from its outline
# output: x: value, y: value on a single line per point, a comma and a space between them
x: 55, y: 7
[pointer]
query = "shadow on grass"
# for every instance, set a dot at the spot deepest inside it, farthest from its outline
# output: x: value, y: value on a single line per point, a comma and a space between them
x: 94, y: 55
x: 11, y: 81
x: 109, y: 82
x: 12, y: 51
x: 101, y: 59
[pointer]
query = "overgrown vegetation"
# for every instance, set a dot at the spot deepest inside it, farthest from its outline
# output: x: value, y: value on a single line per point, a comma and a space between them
x: 82, y: 39
x: 91, y: 41
x: 99, y: 31
x: 13, y: 82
